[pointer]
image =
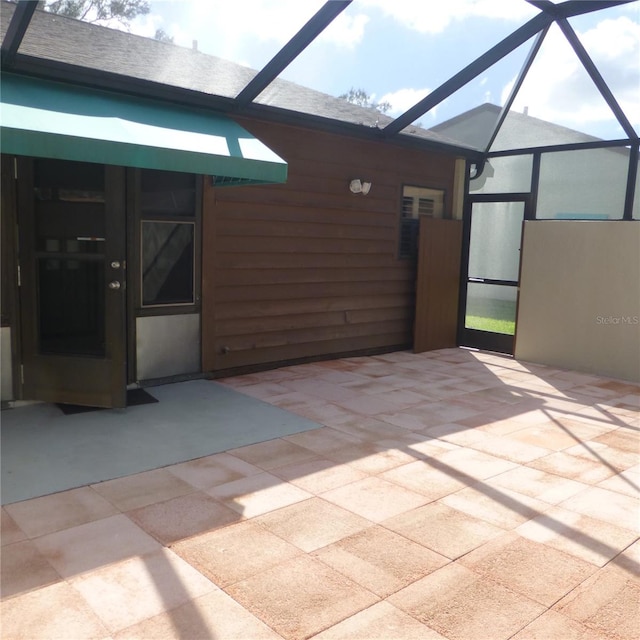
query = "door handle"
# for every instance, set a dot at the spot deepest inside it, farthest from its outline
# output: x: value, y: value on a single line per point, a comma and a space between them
x: 114, y: 284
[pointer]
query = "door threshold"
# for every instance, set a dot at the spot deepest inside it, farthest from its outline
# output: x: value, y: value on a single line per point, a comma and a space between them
x: 18, y: 404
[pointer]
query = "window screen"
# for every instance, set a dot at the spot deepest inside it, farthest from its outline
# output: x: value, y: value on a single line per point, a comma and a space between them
x: 167, y: 262
x: 168, y: 239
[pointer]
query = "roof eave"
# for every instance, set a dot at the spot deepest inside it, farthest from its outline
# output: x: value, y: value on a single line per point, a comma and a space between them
x: 98, y: 79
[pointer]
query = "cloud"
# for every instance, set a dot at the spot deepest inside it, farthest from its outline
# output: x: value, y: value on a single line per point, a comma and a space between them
x: 615, y: 47
x: 345, y: 30
x: 435, y: 16
x: 142, y: 25
x: 403, y: 99
x: 558, y: 88
x: 236, y: 30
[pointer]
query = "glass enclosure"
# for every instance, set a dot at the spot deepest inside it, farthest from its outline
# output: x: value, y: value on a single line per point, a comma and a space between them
x: 511, y: 174
x: 583, y: 184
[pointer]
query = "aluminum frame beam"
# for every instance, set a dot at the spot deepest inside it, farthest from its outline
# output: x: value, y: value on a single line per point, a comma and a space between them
x: 572, y: 8
x: 18, y: 26
x: 631, y: 182
x: 478, y: 66
x: 598, y: 80
x: 517, y: 85
x: 549, y: 13
x: 309, y: 32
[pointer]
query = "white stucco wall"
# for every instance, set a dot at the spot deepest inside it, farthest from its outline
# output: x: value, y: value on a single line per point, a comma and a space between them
x: 579, y: 304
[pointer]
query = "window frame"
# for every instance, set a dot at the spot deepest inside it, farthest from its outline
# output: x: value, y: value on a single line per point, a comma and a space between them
x: 161, y: 309
x: 413, y: 222
x: 188, y: 221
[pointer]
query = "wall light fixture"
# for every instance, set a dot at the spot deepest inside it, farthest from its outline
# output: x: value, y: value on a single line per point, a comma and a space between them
x: 359, y: 186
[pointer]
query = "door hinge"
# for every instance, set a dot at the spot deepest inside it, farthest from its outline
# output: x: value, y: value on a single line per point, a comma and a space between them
x: 15, y: 168
x: 19, y: 277
x: 21, y: 374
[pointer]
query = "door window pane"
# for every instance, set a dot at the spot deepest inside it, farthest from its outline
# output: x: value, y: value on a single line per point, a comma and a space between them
x: 167, y: 193
x: 496, y: 229
x: 71, y: 297
x: 491, y: 308
x: 167, y: 263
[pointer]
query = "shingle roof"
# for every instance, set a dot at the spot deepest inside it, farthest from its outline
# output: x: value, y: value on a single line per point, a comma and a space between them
x: 518, y: 131
x: 69, y: 41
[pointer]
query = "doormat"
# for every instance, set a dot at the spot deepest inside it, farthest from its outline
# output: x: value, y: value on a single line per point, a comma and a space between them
x: 135, y: 397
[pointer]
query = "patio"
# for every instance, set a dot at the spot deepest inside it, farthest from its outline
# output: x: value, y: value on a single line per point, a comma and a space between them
x: 453, y: 494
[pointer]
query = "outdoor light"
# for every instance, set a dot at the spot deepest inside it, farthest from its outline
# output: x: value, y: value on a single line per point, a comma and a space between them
x: 359, y: 186
x: 479, y: 174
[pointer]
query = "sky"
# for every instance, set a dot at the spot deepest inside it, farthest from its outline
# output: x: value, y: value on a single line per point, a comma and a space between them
x: 400, y: 50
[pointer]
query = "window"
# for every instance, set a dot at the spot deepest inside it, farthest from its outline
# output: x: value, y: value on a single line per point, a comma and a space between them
x: 168, y: 239
x: 417, y: 201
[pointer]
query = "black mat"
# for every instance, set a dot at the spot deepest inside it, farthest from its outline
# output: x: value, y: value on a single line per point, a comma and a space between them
x: 135, y: 397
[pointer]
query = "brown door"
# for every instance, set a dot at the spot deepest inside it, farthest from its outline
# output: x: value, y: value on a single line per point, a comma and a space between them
x: 71, y: 219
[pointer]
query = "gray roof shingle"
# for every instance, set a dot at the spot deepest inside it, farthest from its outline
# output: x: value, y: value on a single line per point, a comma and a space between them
x: 69, y: 41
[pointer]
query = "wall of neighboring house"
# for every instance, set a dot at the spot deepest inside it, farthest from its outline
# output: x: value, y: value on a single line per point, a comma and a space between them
x: 308, y: 268
x: 579, y: 305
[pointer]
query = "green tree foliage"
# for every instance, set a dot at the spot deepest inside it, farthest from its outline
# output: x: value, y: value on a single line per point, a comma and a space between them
x: 363, y: 99
x: 98, y: 10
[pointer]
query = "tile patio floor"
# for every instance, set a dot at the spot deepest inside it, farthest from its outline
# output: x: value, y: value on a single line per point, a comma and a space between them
x: 453, y: 494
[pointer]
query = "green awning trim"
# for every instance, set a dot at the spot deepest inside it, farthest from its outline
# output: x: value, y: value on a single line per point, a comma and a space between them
x: 49, y: 119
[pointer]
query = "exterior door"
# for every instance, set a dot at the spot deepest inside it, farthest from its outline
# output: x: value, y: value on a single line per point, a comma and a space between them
x: 71, y: 219
x: 490, y: 291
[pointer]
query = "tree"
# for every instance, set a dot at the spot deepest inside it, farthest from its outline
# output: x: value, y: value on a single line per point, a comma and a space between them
x: 163, y: 36
x: 363, y: 99
x: 98, y: 10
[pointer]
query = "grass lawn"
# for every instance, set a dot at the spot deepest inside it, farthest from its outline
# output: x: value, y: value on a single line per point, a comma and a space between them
x: 491, y: 314
x: 490, y: 324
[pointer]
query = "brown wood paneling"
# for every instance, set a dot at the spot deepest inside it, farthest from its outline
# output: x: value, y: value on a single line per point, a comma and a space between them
x: 235, y: 277
x: 295, y: 229
x: 291, y: 212
x: 261, y: 308
x: 324, y: 290
x: 440, y: 246
x: 313, y: 349
x: 308, y: 269
x: 291, y: 322
x: 305, y: 261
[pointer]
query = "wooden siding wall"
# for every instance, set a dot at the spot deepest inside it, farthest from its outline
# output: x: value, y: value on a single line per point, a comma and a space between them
x: 308, y: 269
